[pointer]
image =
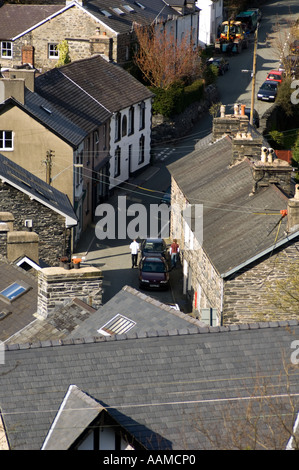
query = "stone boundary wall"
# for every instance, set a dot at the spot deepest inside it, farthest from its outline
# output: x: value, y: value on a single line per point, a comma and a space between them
x: 164, y: 129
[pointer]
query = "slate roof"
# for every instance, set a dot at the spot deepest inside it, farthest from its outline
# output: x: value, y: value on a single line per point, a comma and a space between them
x: 193, y: 389
x: 37, y: 189
x: 147, y: 314
x: 88, y: 91
x: 78, y: 320
x: 235, y: 227
x: 21, y: 309
x: 122, y: 23
x: 16, y: 19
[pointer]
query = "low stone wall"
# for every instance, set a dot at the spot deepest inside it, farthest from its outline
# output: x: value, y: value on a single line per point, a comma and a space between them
x: 164, y: 129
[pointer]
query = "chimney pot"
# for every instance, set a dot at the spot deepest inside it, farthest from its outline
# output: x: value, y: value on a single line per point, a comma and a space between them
x: 222, y: 111
x: 236, y: 109
x: 243, y: 109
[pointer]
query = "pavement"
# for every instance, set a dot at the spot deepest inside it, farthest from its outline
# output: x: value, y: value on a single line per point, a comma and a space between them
x: 113, y: 257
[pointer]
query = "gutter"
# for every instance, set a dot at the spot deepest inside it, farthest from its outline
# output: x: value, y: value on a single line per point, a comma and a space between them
x: 260, y: 255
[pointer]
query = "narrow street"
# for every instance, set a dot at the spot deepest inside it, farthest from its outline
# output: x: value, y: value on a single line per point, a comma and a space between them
x: 113, y: 256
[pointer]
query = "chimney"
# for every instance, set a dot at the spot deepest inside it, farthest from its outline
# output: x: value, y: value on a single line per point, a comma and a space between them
x: 101, y: 44
x: 12, y: 88
x: 26, y: 74
x: 230, y: 124
x: 293, y: 211
x: 271, y: 170
x: 6, y: 226
x: 57, y: 286
x: 21, y: 244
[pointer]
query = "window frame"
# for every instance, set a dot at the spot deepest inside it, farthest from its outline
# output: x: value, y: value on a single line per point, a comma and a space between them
x: 53, y: 52
x: 6, y: 49
x: 5, y: 139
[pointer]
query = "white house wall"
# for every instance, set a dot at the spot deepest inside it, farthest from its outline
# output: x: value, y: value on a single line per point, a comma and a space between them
x: 128, y: 166
x: 211, y: 15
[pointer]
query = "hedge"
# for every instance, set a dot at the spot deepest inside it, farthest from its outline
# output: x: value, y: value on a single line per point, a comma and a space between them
x: 176, y: 98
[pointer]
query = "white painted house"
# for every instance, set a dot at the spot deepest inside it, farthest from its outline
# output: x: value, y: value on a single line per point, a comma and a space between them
x: 130, y: 140
x: 211, y: 16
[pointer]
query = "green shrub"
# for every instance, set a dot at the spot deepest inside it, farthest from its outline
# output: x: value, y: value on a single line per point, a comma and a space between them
x: 176, y: 98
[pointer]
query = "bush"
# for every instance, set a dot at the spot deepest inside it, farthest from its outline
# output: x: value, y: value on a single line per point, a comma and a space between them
x: 176, y: 98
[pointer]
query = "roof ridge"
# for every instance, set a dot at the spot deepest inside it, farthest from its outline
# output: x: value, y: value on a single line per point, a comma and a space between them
x: 159, y: 333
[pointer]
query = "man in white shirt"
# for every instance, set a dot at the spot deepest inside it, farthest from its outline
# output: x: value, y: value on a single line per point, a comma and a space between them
x: 134, y: 247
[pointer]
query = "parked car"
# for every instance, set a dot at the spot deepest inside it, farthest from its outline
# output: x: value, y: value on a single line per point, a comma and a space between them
x: 220, y: 63
x: 256, y: 118
x: 275, y: 75
x: 167, y: 196
x: 153, y: 247
x: 268, y: 91
x: 153, y: 273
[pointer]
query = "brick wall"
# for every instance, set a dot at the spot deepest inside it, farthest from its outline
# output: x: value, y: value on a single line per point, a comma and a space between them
x: 54, y: 237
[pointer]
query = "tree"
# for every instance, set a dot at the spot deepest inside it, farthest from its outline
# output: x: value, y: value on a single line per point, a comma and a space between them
x: 162, y: 60
x: 64, y: 58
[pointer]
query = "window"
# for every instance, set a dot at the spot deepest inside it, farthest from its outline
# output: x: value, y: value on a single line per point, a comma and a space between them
x: 14, y: 290
x: 78, y: 169
x: 141, y: 150
x: 117, y: 162
x: 6, y: 50
x: 142, y: 116
x: 6, y: 140
x: 117, y: 126
x: 131, y: 121
x: 53, y: 52
x: 124, y: 126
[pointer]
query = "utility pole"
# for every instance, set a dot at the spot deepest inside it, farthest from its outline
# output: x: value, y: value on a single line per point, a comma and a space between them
x: 253, y: 76
x: 49, y: 166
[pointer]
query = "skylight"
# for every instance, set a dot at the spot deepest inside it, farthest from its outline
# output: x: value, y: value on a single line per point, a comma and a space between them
x: 128, y: 8
x: 106, y: 13
x: 118, y: 11
x: 140, y: 5
x: 117, y: 325
x: 13, y: 291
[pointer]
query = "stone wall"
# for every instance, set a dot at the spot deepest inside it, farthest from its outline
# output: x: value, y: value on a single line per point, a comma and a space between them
x: 164, y: 129
x: 248, y: 295
x: 54, y: 237
x: 58, y: 285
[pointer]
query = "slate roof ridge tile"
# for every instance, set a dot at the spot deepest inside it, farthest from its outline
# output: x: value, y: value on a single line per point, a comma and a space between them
x: 157, y: 333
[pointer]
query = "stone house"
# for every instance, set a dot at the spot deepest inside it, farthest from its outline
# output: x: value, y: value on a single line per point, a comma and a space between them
x: 32, y: 33
x: 247, y: 235
x: 84, y: 135
x: 32, y: 205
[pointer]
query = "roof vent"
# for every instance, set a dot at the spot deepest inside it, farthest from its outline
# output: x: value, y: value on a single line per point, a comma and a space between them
x: 117, y: 325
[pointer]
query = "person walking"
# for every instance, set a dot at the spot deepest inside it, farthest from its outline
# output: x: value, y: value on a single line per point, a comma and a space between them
x: 134, y: 247
x: 174, y: 251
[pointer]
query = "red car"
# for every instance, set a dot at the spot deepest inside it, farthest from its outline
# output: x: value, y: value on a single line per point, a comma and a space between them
x: 275, y: 75
x: 153, y: 273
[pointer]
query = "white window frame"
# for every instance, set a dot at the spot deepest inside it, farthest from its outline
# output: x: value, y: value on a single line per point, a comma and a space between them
x: 53, y: 52
x: 6, y: 52
x: 5, y: 140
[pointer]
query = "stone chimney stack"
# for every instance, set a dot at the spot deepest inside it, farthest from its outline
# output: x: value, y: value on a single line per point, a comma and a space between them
x: 57, y: 285
x: 28, y: 75
x: 229, y: 124
x: 293, y: 211
x: 12, y: 88
x: 22, y: 244
x: 271, y: 170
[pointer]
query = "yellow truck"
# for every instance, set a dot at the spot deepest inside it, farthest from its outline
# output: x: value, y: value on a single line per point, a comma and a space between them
x: 232, y: 37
